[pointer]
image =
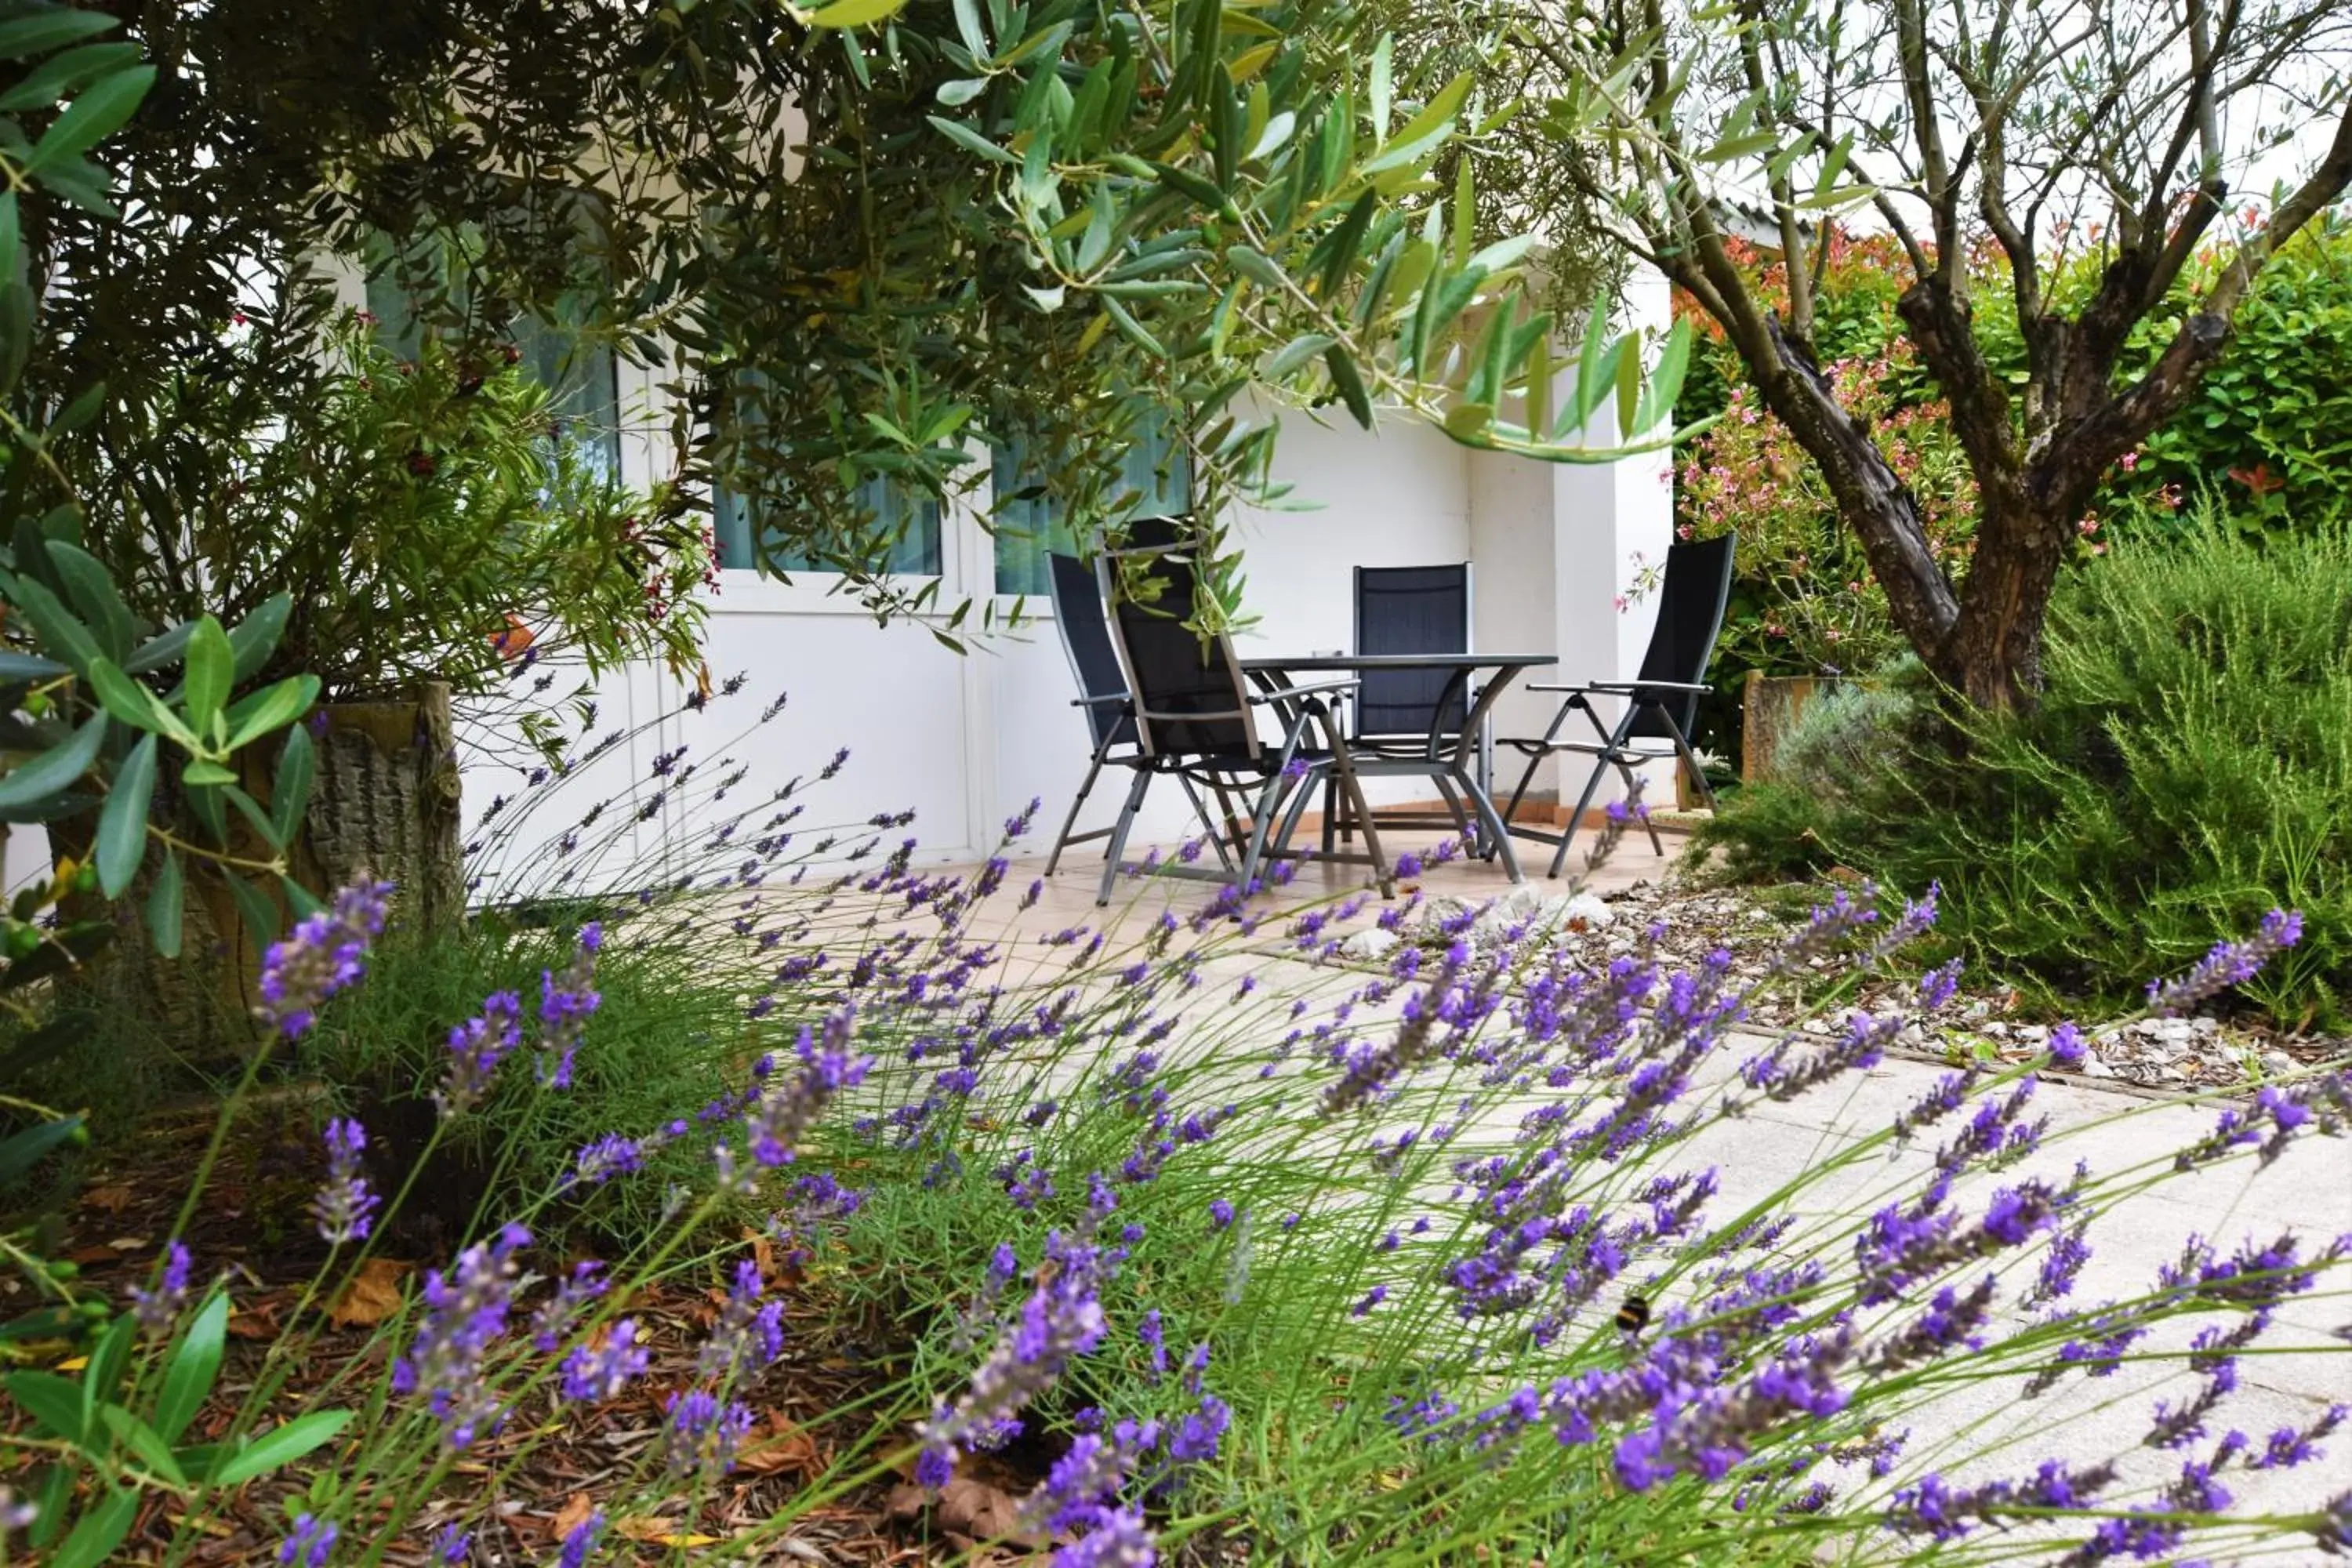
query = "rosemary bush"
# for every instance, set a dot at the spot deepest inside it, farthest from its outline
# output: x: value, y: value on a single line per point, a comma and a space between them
x: 2186, y: 769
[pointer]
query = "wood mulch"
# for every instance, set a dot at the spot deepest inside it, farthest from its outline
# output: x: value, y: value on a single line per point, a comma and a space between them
x: 549, y: 1470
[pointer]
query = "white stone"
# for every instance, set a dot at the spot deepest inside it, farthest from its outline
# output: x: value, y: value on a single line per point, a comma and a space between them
x: 1372, y: 945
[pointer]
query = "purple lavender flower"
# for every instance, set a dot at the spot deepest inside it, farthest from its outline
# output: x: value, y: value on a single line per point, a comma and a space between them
x: 1198, y: 1437
x: 1220, y: 1213
x: 2287, y: 1447
x: 1155, y: 1342
x: 2226, y: 965
x: 612, y: 1155
x: 1951, y: 1319
x: 466, y: 1311
x: 553, y: 1321
x: 2334, y: 1531
x: 2067, y: 1048
x: 452, y: 1544
x: 321, y: 955
x: 476, y: 1049
x: 1711, y: 1432
x: 158, y: 1309
x: 1119, y: 1539
x: 1080, y: 1485
x: 1933, y: 1508
x: 785, y: 1111
x: 565, y: 1003
x: 700, y: 1436
x: 310, y: 1544
x: 594, y: 1371
x: 1062, y: 1319
x: 344, y: 1208
x: 582, y: 1541
x: 748, y: 1334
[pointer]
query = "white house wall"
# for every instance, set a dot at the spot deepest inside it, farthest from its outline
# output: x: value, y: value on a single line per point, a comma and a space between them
x: 966, y: 740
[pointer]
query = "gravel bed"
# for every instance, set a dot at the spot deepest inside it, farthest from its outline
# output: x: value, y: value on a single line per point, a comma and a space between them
x: 1984, y: 1023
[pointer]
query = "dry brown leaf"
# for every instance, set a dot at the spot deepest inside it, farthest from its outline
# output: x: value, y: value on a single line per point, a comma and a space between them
x: 907, y: 1501
x: 661, y: 1532
x: 575, y: 1512
x: 785, y: 1448
x: 258, y: 1321
x: 130, y: 1243
x: 113, y: 1198
x: 763, y: 1254
x: 974, y: 1507
x: 372, y: 1295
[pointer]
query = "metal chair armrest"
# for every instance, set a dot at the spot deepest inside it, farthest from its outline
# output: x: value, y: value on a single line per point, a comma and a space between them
x: 1312, y: 688
x: 1624, y: 686
x: 1121, y: 699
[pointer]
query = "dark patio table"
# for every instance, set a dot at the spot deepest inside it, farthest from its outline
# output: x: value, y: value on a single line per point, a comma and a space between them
x: 1275, y: 675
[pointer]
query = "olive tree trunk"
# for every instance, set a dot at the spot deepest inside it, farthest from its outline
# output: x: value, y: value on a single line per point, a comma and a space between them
x: 384, y: 804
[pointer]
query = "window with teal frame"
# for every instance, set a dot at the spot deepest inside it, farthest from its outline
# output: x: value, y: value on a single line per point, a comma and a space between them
x: 911, y: 517
x: 583, y: 377
x: 1031, y: 522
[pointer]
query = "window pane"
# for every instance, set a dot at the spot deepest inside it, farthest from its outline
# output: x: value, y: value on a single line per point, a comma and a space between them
x: 582, y: 378
x: 913, y: 518
x: 1028, y: 528
x: 1157, y: 471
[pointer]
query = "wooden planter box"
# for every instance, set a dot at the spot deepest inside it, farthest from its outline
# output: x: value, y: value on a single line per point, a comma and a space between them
x: 1769, y: 705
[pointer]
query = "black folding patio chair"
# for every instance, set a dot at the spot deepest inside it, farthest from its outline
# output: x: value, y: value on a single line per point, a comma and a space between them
x: 1197, y: 717
x: 1110, y: 715
x: 1407, y: 723
x: 1660, y: 704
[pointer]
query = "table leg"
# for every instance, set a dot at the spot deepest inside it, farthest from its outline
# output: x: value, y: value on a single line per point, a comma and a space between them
x: 1466, y: 755
x: 1490, y: 822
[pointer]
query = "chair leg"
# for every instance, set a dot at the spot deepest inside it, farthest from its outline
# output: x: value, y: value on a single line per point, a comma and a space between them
x: 1209, y: 823
x: 1094, y: 772
x: 1362, y: 810
x: 1330, y: 814
x: 1118, y: 834
x: 1297, y: 809
x: 1567, y: 829
x: 1690, y: 760
x: 1261, y: 828
x: 1633, y: 787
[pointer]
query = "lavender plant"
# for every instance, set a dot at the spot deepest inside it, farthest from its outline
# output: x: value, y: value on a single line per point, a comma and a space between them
x: 1248, y: 1250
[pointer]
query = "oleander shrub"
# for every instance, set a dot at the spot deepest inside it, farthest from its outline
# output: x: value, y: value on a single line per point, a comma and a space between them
x: 2186, y: 769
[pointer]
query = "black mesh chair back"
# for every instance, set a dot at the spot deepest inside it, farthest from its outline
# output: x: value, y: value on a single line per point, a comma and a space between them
x: 1159, y: 531
x: 1085, y: 637
x: 1412, y: 609
x: 1172, y: 671
x: 1691, y: 604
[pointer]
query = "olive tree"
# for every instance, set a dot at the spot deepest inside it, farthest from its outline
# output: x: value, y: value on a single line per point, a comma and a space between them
x: 2096, y: 150
x: 859, y: 239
